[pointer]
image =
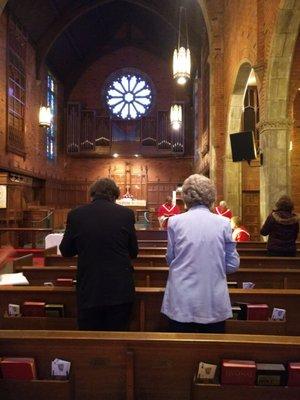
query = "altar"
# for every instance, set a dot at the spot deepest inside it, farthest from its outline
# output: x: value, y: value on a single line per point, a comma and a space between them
x: 139, y: 207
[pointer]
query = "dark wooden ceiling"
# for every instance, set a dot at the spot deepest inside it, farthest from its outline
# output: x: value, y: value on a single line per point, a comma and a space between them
x: 70, y: 34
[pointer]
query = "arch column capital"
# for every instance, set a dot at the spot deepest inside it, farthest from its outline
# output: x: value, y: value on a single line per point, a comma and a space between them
x: 274, y: 125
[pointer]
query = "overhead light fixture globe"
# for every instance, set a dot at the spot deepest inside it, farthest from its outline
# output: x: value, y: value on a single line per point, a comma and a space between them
x: 176, y: 116
x: 182, y: 54
x: 182, y: 65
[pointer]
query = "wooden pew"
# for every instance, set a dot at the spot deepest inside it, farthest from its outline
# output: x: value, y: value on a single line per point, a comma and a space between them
x: 245, y: 261
x: 154, y: 366
x: 159, y: 260
x: 257, y: 245
x: 152, y: 243
x: 256, y: 252
x: 146, y: 316
x: 145, y: 250
x: 157, y: 277
x: 16, y: 234
x: 162, y: 250
x: 152, y: 234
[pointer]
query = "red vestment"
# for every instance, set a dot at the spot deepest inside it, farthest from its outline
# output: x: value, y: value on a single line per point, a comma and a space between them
x: 240, y: 234
x: 167, y: 210
x: 225, y: 213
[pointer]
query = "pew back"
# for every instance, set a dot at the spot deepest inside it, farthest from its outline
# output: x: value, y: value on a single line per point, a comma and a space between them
x: 156, y: 366
x: 157, y: 276
x: 146, y: 314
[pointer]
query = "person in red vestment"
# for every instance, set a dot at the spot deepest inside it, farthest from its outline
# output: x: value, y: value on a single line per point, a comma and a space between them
x: 239, y: 232
x: 223, y: 210
x: 165, y: 211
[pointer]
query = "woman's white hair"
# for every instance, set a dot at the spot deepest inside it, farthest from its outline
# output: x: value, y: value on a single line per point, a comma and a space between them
x: 198, y: 189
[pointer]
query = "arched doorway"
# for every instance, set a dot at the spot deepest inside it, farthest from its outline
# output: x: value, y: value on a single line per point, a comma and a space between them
x: 242, y: 180
x: 232, y: 171
x: 275, y: 126
x: 2, y: 5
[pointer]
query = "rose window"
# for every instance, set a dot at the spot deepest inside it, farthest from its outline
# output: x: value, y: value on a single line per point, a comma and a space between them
x: 129, y: 95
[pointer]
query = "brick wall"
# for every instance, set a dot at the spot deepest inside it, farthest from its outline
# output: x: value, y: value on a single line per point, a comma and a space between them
x: 89, y: 87
x: 35, y: 162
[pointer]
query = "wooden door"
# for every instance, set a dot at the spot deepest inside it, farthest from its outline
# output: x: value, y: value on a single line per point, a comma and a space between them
x: 251, y: 213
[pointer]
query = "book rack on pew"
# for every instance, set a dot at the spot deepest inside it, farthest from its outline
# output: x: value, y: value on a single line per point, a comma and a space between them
x: 38, y: 389
x: 146, y: 314
x: 207, y: 391
x: 156, y: 366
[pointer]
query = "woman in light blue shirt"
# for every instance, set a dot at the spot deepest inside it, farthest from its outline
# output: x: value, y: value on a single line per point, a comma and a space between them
x: 200, y: 254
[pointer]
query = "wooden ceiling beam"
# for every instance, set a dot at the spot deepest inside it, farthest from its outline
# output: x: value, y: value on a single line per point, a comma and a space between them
x: 70, y: 15
x: 102, y: 51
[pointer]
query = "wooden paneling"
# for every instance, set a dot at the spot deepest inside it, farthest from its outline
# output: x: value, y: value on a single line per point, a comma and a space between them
x: 163, y: 364
x: 251, y: 213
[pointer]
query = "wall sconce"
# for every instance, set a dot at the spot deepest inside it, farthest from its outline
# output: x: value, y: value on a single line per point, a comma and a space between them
x: 45, y: 117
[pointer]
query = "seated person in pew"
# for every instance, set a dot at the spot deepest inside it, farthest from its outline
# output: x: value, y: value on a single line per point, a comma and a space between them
x: 239, y: 232
x: 103, y: 236
x: 200, y: 253
x: 282, y: 228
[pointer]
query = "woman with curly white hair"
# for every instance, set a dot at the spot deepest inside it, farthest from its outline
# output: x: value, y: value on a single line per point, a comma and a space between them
x: 200, y: 253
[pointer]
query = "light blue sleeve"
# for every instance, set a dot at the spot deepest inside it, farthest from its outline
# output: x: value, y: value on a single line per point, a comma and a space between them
x: 232, y: 258
x: 170, y: 249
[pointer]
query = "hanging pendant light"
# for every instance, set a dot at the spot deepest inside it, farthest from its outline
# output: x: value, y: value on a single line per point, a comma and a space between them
x: 45, y: 117
x: 176, y: 116
x: 182, y: 54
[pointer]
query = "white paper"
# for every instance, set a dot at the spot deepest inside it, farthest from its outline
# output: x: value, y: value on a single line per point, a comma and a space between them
x: 60, y: 368
x: 13, y: 279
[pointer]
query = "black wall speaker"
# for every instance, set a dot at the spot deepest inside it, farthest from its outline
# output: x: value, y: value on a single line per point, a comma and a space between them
x: 243, y: 146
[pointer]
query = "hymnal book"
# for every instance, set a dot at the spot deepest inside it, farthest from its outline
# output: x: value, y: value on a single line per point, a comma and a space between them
x: 48, y: 284
x: 13, y: 279
x: 248, y: 285
x: 33, y: 309
x: 18, y: 368
x: 54, y: 310
x: 206, y: 372
x: 257, y: 312
x: 238, y: 372
x: 278, y: 314
x: 60, y: 369
x: 243, y: 306
x: 14, y: 310
x: 270, y: 374
x: 294, y: 374
x: 236, y: 311
x: 232, y: 285
x: 64, y: 282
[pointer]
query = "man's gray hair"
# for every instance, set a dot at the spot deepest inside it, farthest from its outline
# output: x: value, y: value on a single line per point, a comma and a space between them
x: 198, y: 189
x: 105, y: 189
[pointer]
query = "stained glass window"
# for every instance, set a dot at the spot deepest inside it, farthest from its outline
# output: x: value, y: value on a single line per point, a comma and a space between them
x: 52, y: 103
x: 16, y: 87
x: 128, y: 94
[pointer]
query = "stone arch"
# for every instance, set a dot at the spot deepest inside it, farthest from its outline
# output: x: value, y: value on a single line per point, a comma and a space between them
x: 275, y: 126
x: 2, y: 5
x: 232, y: 171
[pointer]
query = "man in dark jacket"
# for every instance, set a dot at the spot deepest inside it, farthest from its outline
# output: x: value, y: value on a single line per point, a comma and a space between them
x: 103, y: 236
x: 282, y: 226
